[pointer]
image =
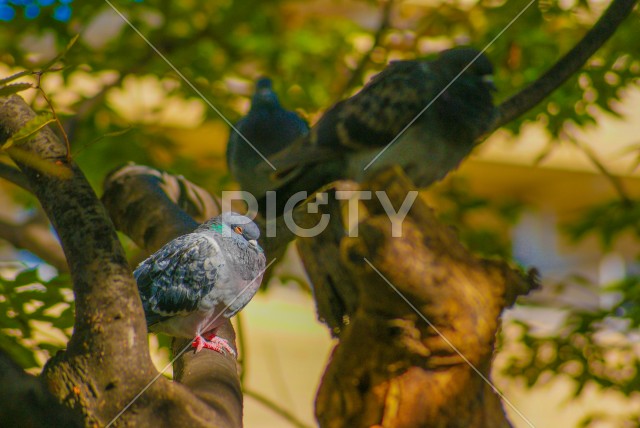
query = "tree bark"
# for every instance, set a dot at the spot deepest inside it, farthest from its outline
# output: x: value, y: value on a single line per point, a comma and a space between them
x: 391, y: 367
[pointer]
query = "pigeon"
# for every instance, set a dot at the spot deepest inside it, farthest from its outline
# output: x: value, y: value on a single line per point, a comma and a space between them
x: 269, y: 128
x: 194, y: 283
x: 424, y: 115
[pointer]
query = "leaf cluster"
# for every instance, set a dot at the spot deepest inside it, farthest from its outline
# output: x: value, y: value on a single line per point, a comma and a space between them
x: 34, y: 315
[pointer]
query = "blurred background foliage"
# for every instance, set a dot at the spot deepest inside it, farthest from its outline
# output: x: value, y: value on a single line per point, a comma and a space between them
x: 120, y: 101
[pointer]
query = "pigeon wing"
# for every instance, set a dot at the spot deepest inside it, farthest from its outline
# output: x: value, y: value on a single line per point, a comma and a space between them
x: 176, y: 279
x: 385, y: 106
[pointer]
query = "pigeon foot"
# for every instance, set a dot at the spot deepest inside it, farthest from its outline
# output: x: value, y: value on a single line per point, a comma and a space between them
x: 214, y: 343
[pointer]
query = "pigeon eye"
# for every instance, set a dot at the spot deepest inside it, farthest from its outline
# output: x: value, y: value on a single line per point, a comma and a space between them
x: 238, y: 230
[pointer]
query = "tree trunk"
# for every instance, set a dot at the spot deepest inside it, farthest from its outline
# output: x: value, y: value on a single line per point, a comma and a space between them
x: 421, y: 316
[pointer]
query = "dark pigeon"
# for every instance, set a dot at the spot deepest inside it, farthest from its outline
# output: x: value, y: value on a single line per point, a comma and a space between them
x: 386, y: 123
x: 269, y: 128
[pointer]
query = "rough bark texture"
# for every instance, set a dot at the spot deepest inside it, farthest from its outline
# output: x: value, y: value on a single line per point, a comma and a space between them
x: 106, y: 363
x: 153, y: 207
x: 391, y: 368
x: 108, y: 313
x: 212, y: 378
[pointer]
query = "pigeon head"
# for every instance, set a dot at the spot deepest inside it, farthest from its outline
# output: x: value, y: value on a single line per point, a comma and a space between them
x: 263, y: 83
x: 264, y: 95
x: 476, y: 63
x: 234, y: 225
x: 466, y: 108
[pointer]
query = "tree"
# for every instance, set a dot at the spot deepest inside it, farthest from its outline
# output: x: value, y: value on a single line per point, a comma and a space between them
x: 106, y: 362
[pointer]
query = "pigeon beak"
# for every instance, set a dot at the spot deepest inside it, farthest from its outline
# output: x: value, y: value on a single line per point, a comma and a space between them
x: 253, y: 242
x: 488, y: 80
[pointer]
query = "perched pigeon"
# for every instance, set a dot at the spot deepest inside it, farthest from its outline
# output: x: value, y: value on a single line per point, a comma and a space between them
x: 194, y: 282
x: 269, y: 128
x: 353, y: 140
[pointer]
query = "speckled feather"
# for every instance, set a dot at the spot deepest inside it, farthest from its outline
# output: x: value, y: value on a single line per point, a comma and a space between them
x: 200, y: 276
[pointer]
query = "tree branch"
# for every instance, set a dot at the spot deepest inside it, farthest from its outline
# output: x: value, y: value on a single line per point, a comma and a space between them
x: 35, y: 236
x: 107, y: 306
x: 212, y: 377
x: 568, y: 65
x: 153, y: 207
x: 333, y: 290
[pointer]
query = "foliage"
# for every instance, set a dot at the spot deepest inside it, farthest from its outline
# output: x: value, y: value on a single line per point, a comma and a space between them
x: 482, y: 223
x: 34, y: 315
x: 608, y: 221
x: 595, y: 346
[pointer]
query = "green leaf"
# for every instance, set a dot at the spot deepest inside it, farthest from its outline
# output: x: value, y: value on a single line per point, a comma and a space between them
x: 14, y: 88
x: 61, y: 55
x: 26, y: 277
x: 30, y: 129
x: 18, y: 352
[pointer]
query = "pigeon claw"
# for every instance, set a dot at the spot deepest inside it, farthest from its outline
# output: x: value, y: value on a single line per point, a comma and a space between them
x: 214, y: 343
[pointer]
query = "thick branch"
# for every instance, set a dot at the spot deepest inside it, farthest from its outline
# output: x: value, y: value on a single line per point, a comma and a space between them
x: 568, y: 65
x: 333, y: 289
x: 391, y: 368
x: 151, y: 207
x: 212, y: 377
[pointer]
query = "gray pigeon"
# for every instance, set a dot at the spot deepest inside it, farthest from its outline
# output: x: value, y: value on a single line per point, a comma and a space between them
x: 270, y: 128
x: 192, y: 284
